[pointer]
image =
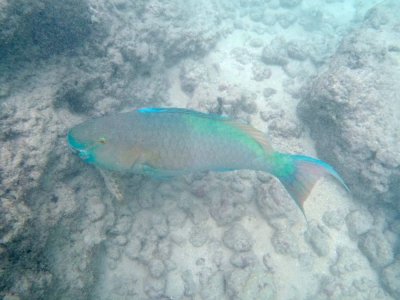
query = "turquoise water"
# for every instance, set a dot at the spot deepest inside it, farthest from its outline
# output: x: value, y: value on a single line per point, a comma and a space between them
x: 320, y: 78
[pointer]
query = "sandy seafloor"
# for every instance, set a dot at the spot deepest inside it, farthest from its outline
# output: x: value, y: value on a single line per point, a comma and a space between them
x: 320, y: 78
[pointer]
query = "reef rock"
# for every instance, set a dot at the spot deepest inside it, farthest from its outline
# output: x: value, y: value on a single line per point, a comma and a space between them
x: 353, y: 111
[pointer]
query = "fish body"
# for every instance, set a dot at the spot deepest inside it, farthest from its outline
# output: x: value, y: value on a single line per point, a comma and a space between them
x: 174, y: 141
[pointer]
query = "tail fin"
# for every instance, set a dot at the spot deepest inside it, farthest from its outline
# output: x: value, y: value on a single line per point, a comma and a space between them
x: 300, y: 175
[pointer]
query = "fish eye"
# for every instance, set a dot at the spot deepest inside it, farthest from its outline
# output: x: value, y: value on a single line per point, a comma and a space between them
x: 102, y: 140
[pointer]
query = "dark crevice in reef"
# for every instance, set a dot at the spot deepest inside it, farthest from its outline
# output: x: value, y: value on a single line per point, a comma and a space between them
x: 42, y: 29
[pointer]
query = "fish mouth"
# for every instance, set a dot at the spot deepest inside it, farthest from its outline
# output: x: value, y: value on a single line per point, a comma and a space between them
x: 78, y: 148
x: 73, y: 144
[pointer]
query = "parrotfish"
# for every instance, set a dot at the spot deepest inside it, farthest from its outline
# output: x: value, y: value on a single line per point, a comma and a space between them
x: 164, y: 142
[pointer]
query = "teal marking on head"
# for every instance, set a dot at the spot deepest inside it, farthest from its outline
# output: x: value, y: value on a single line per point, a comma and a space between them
x: 86, y: 156
x: 78, y: 147
x: 73, y: 143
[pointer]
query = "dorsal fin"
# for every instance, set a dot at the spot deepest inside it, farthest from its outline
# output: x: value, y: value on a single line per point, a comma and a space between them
x: 258, y: 135
x: 152, y: 110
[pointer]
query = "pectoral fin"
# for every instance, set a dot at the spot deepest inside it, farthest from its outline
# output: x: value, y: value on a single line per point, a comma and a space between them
x: 112, y: 185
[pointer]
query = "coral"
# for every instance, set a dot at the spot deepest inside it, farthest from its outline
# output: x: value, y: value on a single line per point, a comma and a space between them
x: 238, y: 239
x: 351, y: 111
x: 243, y: 260
x: 376, y: 248
x: 260, y: 72
x: 43, y: 28
x: 318, y: 238
x: 289, y: 3
x: 285, y: 243
x: 359, y: 222
x: 250, y: 284
x: 275, y: 53
x: 191, y: 73
x: 390, y: 278
x: 347, y: 261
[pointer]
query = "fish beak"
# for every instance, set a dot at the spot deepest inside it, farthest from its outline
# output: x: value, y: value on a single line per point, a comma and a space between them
x: 73, y: 144
x: 80, y: 149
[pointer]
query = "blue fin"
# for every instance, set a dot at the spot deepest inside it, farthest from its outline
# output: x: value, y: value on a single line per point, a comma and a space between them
x: 152, y: 110
x: 303, y: 173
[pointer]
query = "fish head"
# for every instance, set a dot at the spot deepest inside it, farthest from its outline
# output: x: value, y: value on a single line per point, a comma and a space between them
x: 100, y: 141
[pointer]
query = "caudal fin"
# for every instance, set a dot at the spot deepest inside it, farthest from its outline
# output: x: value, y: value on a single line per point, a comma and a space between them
x: 300, y: 175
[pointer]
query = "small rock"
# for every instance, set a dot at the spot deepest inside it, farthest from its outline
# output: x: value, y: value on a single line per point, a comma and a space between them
x: 256, y: 43
x: 191, y: 74
x: 5, y: 90
x: 243, y: 260
x: 267, y: 261
x: 287, y: 20
x: 164, y: 249
x: 95, y: 209
x: 238, y: 239
x: 200, y: 261
x: 274, y: 53
x: 218, y: 256
x: 213, y: 286
x: 347, y: 261
x: 317, y: 237
x: 289, y: 3
x: 242, y: 55
x: 120, y: 240
x: 273, y: 202
x: 285, y: 243
x: 198, y: 214
x: 160, y: 225
x: 269, y: 19
x: 14, y: 216
x: 296, y: 51
x: 132, y: 249
x: 359, y: 222
x: 198, y: 236
x: 376, y: 248
x: 156, y: 268
x: 263, y: 177
x: 256, y: 15
x: 254, y: 284
x: 225, y: 210
x: 333, y: 219
x: 154, y: 288
x: 189, y: 284
x: 113, y: 252
x: 391, y: 278
x: 268, y: 92
x: 285, y: 128
x: 123, y: 225
x: 175, y: 286
x: 260, y: 72
x: 176, y: 218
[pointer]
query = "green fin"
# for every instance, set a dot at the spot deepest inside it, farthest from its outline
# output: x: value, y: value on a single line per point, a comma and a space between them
x: 258, y: 135
x: 158, y: 174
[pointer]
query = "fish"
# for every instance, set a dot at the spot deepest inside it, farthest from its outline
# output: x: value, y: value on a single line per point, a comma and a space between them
x: 168, y: 142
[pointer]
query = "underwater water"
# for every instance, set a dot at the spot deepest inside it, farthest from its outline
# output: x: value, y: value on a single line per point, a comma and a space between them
x: 319, y: 78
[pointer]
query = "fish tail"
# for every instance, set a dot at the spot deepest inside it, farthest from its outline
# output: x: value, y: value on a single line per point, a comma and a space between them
x: 298, y: 174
